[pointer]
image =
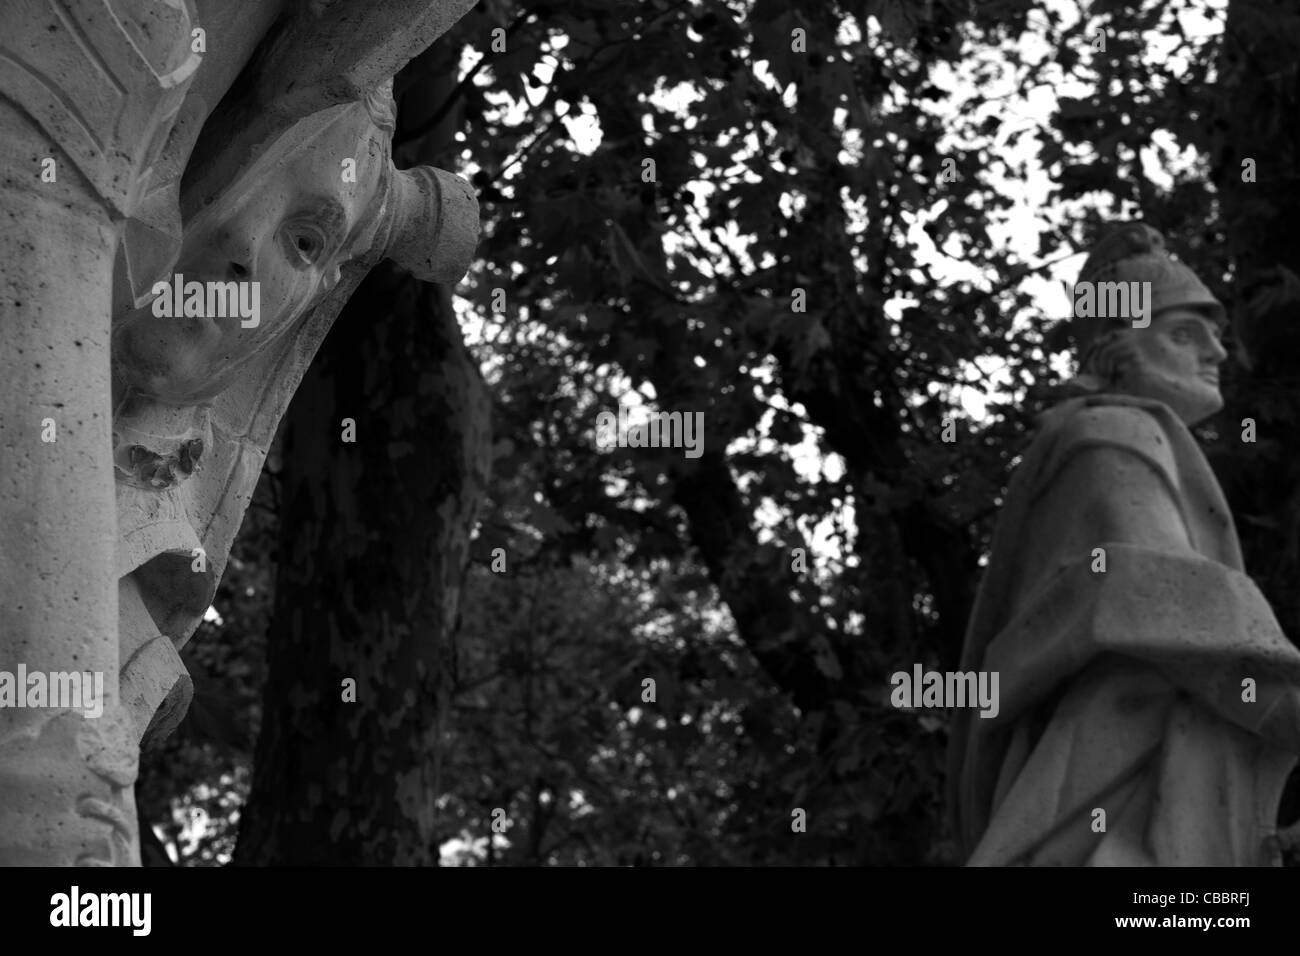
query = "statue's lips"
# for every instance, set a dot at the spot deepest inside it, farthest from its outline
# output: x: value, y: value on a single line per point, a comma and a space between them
x: 170, y: 357
x: 195, y: 330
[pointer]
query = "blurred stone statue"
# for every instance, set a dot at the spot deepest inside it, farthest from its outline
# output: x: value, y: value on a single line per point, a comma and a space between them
x: 1150, y: 704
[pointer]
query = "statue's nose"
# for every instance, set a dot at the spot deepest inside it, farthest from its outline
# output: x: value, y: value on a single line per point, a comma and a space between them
x: 235, y: 254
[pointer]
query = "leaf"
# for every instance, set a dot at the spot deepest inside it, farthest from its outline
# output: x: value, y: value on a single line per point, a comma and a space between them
x: 825, y: 659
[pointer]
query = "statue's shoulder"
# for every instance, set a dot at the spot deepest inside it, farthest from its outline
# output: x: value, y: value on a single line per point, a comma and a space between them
x: 1115, y: 419
x: 1123, y: 424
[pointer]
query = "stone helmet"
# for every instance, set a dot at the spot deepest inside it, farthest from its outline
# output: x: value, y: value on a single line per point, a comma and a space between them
x: 1134, y: 252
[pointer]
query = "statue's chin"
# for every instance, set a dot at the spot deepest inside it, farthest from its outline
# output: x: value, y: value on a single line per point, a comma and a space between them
x: 173, y: 378
x: 1192, y: 400
x: 1196, y: 415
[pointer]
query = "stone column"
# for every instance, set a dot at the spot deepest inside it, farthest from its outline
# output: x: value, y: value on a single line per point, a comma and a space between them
x: 87, y: 92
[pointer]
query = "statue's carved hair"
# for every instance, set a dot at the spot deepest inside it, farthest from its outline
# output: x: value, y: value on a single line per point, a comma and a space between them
x: 382, y: 108
x: 1102, y: 363
x: 426, y: 218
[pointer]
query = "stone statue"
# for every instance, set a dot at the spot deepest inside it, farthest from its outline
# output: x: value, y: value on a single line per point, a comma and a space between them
x: 197, y: 399
x: 288, y: 185
x: 1150, y: 705
x: 88, y: 93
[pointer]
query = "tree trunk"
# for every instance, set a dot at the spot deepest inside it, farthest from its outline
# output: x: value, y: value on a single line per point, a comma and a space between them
x: 373, y: 545
x: 374, y: 542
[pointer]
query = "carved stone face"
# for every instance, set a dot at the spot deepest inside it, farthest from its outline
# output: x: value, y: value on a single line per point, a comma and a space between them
x: 1176, y: 360
x: 290, y: 230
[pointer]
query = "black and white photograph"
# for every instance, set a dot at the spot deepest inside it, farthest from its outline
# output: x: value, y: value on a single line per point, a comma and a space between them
x: 709, y: 435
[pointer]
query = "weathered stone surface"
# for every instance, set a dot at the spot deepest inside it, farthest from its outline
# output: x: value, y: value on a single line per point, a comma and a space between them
x: 339, y: 56
x: 1116, y: 611
x: 180, y: 382
x: 87, y: 92
x: 176, y: 428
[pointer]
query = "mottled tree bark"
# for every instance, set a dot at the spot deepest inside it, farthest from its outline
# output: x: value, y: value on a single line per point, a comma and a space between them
x: 373, y: 546
x: 374, y: 543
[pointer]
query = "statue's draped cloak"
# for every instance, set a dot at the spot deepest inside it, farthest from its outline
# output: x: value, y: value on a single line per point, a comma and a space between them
x: 1121, y: 689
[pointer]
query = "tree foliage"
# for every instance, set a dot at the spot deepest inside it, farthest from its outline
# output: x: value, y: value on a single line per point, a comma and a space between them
x: 868, y: 160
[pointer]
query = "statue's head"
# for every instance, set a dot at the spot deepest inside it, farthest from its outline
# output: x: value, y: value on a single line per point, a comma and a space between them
x: 318, y: 204
x: 318, y: 201
x: 1175, y: 358
x: 313, y: 201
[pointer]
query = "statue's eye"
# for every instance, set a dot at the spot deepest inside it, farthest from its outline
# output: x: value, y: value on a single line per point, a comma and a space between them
x: 304, y: 243
x: 1182, y: 336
